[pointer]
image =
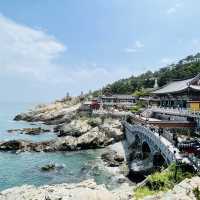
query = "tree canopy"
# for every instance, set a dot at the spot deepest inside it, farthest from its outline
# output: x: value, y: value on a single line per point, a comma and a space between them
x: 184, y: 69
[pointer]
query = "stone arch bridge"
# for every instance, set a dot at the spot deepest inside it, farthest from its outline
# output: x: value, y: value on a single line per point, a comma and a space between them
x: 156, y: 143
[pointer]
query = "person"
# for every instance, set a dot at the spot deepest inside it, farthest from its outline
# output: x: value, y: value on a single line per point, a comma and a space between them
x: 175, y: 139
x: 160, y: 131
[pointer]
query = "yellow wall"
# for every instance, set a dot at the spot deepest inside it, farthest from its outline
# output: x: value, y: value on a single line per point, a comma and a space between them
x: 195, y: 106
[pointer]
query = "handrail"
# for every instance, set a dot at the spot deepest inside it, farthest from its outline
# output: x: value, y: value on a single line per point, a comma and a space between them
x: 176, y: 111
x: 165, y: 146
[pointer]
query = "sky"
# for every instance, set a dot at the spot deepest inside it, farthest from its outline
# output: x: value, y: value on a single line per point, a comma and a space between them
x: 51, y: 47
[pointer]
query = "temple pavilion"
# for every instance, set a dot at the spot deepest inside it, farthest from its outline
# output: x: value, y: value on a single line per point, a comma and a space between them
x: 179, y: 94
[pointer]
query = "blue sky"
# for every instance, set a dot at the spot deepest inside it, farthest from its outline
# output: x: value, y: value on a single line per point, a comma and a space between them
x: 49, y: 47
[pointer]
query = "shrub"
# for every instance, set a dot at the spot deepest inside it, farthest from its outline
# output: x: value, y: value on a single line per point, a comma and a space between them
x: 160, y: 181
x: 94, y: 122
x: 196, y: 193
x: 142, y: 192
x: 163, y: 181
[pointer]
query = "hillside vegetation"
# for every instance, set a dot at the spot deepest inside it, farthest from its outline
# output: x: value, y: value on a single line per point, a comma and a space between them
x: 164, y: 180
x: 184, y: 69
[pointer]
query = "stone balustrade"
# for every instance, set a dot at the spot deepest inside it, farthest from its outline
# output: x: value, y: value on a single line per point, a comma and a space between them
x: 175, y: 111
x: 155, y: 141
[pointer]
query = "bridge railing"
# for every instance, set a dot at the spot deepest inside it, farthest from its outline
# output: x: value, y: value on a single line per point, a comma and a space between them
x: 195, y: 161
x: 168, y: 135
x: 176, y: 111
x: 166, y: 148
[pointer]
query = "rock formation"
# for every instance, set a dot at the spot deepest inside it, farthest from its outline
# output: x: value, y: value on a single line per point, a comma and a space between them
x: 77, y: 135
x: 29, y: 131
x: 86, y: 190
x: 52, y: 114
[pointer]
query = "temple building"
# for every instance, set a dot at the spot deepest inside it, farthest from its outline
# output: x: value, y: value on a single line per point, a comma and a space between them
x: 179, y: 94
x: 118, y: 101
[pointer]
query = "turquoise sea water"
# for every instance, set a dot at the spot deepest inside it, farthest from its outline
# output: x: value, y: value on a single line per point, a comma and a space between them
x: 7, y: 113
x: 24, y: 168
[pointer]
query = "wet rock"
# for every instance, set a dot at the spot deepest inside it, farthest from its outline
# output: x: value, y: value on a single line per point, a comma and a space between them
x: 118, y: 158
x: 92, y: 139
x: 112, y: 159
x: 22, y: 145
x: 48, y: 167
x: 76, y: 135
x: 29, y: 131
x: 11, y: 145
x: 52, y: 166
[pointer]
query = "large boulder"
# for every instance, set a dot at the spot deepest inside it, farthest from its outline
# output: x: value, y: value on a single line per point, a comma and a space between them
x: 48, y: 167
x: 92, y: 139
x: 113, y: 130
x: 75, y: 128
x: 51, y: 167
x: 12, y: 145
x: 53, y: 114
x: 112, y: 158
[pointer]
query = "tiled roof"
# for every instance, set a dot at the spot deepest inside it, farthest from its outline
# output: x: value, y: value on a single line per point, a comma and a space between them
x: 119, y: 96
x: 178, y: 86
x: 195, y: 87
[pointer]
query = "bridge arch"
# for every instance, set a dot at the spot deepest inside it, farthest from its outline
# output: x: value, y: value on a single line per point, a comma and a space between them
x: 158, y: 159
x: 144, y: 134
x: 138, y: 141
x: 146, y: 151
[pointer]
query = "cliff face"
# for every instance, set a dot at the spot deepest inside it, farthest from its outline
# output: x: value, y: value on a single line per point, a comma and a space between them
x: 186, y: 190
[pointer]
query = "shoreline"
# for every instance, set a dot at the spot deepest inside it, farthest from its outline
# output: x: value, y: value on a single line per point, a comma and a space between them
x: 68, y: 117
x: 84, y: 190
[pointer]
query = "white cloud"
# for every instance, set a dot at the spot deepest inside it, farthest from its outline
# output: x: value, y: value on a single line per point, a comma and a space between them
x: 27, y: 51
x: 31, y: 54
x: 137, y: 47
x: 174, y: 9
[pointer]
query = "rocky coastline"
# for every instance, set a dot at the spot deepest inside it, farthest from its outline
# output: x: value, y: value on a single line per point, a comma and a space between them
x: 73, y: 136
x: 74, y: 132
x: 29, y: 131
x: 86, y: 190
x: 188, y: 189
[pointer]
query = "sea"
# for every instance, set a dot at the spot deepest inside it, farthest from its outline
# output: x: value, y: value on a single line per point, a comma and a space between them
x: 17, y: 169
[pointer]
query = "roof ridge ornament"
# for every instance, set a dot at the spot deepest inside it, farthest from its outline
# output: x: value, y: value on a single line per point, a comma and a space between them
x: 196, y: 78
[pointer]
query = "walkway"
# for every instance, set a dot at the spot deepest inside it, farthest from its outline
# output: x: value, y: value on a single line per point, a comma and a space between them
x: 175, y: 112
x: 155, y: 140
x: 164, y: 142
